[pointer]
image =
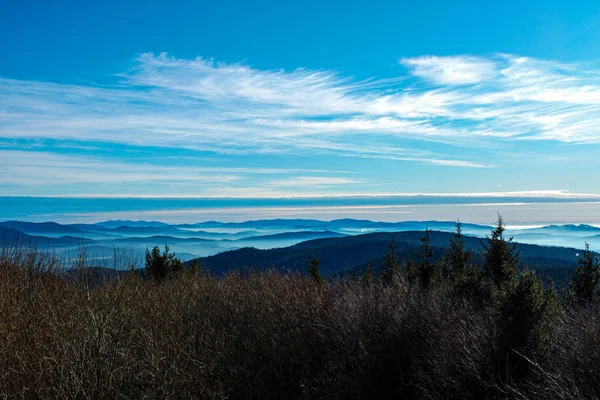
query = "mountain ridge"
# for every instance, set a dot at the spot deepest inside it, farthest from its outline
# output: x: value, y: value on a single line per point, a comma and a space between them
x: 350, y: 252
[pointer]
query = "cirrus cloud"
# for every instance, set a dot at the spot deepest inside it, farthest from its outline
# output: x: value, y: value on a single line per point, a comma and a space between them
x: 457, y: 103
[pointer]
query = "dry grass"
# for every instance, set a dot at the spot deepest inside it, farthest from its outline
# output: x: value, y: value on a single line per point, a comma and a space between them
x: 268, y: 335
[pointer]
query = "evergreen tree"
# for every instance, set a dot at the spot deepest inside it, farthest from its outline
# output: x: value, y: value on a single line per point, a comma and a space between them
x: 412, y: 270
x: 460, y: 266
x: 391, y: 263
x: 369, y: 276
x: 426, y: 268
x: 161, y: 266
x: 195, y: 267
x: 500, y: 257
x: 583, y: 287
x: 527, y: 311
x: 458, y: 257
x: 313, y: 269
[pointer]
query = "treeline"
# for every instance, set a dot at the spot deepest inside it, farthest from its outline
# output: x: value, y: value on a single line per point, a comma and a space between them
x: 423, y: 328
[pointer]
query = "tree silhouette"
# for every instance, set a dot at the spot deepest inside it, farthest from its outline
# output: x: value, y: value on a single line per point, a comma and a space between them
x: 160, y: 266
x: 313, y: 269
x: 460, y: 266
x: 369, y: 276
x: 527, y: 312
x: 426, y: 268
x: 391, y: 263
x: 500, y: 257
x: 583, y: 287
x: 458, y: 257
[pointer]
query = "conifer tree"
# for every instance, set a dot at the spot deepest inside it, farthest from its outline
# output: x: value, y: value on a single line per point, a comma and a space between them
x: 160, y: 266
x: 313, y: 269
x: 195, y: 267
x: 460, y: 266
x: 426, y: 270
x: 369, y: 276
x: 527, y: 312
x: 412, y: 270
x: 458, y: 257
x: 500, y: 257
x: 583, y: 287
x: 391, y: 263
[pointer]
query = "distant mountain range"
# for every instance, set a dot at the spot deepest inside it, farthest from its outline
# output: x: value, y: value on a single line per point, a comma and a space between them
x: 209, y: 238
x: 8, y: 236
x: 337, y: 224
x: 578, y: 230
x: 41, y: 227
x: 136, y: 224
x: 302, y: 235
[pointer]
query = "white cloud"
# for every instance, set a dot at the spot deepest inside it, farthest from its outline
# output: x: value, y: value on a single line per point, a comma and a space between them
x: 452, y: 70
x: 234, y: 109
x: 309, y: 181
x: 298, y: 91
x: 45, y: 172
x: 47, y: 169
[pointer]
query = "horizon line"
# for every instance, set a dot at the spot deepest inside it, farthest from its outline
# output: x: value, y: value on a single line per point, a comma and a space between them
x: 550, y: 194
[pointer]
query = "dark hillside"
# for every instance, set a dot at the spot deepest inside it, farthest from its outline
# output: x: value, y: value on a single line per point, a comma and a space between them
x: 351, y: 252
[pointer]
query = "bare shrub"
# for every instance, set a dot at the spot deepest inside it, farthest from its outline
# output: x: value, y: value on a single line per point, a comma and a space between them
x: 263, y: 335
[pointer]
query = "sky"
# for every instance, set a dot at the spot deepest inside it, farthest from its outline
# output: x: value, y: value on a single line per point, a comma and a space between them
x: 303, y: 99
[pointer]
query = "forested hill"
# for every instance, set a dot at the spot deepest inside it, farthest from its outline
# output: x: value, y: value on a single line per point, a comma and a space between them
x: 352, y: 253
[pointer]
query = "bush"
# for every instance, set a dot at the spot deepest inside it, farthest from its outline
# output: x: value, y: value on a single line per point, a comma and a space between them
x: 268, y: 335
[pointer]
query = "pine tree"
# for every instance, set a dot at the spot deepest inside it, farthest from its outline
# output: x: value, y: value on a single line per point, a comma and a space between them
x: 458, y: 257
x: 197, y: 268
x: 412, y: 270
x: 369, y: 276
x: 500, y: 257
x: 391, y: 263
x: 527, y: 312
x: 161, y: 266
x: 426, y: 270
x: 313, y: 270
x: 583, y: 287
x: 460, y: 266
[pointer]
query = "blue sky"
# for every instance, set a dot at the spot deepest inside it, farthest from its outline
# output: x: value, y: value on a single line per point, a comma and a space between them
x: 296, y: 99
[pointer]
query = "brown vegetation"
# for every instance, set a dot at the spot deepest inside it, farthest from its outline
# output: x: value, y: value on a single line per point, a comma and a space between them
x: 274, y: 335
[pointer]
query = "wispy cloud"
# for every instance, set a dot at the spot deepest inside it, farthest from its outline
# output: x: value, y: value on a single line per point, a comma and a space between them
x: 205, y: 104
x: 460, y: 102
x: 461, y: 70
x: 45, y: 172
x: 307, y: 181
